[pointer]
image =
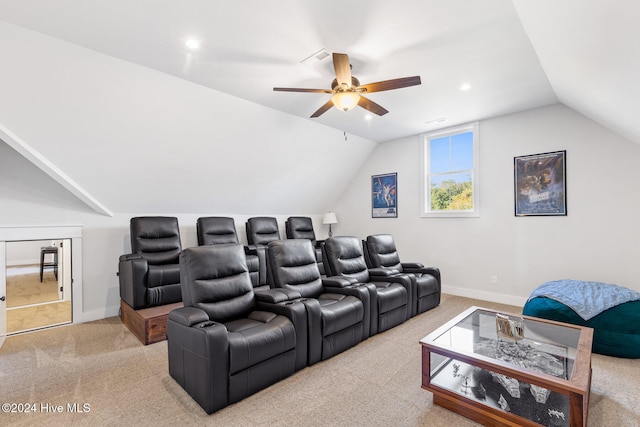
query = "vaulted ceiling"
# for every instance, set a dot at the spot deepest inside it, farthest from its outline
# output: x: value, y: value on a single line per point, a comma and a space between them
x: 510, y: 55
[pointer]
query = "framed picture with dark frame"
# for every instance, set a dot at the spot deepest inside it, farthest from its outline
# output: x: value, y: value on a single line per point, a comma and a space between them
x: 384, y: 196
x: 540, y: 183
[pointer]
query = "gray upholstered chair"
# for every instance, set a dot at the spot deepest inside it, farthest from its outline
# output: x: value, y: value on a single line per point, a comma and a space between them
x: 343, y: 257
x: 380, y: 252
x: 228, y: 341
x: 337, y: 308
x: 150, y: 275
x: 217, y: 230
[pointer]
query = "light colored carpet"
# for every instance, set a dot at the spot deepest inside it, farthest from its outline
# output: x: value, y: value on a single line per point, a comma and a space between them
x: 376, y: 383
x: 38, y: 316
x: 24, y: 286
x: 33, y: 304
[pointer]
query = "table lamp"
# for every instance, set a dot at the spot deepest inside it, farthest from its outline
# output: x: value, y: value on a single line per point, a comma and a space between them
x: 330, y: 218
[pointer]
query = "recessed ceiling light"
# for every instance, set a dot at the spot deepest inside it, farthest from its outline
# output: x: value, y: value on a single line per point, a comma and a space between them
x: 192, y: 43
x: 368, y: 117
x: 465, y: 86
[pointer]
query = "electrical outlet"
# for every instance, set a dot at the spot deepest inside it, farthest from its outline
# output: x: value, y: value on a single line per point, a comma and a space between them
x: 494, y: 280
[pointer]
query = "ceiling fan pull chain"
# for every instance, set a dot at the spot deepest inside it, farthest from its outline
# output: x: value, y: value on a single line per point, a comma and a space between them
x: 345, y: 135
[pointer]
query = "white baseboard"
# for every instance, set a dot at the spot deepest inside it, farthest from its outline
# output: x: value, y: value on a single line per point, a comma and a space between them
x: 483, y: 295
x: 89, y: 316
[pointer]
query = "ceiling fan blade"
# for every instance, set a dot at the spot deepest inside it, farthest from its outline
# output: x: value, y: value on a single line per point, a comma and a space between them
x: 320, y: 111
x: 343, y: 69
x: 390, y: 84
x: 294, y: 89
x: 369, y: 105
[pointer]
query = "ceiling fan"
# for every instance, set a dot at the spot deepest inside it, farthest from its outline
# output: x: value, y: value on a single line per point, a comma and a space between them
x: 347, y: 91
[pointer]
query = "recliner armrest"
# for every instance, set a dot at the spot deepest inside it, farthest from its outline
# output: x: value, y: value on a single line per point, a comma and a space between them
x: 199, y: 356
x: 338, y: 281
x: 132, y: 269
x: 188, y: 316
x: 381, y: 272
x: 412, y: 265
x: 251, y: 250
x: 129, y: 257
x: 274, y: 296
x: 261, y: 252
x: 434, y: 271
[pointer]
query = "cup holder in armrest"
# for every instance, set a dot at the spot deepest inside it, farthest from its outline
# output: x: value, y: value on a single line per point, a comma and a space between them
x: 296, y: 301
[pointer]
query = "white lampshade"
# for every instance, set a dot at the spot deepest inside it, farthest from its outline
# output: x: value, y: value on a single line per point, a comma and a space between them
x: 330, y: 218
x: 345, y: 100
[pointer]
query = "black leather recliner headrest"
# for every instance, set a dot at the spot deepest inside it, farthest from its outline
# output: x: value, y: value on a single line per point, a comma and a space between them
x: 382, y: 252
x: 344, y: 256
x: 216, y: 230
x: 156, y: 238
x: 300, y: 227
x: 215, y: 278
x: 293, y: 265
x: 261, y: 230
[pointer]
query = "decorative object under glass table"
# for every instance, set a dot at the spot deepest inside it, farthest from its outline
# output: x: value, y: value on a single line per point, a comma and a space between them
x: 502, y: 369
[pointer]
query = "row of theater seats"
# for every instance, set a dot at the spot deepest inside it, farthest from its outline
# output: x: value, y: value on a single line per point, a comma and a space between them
x: 150, y: 275
x: 230, y: 340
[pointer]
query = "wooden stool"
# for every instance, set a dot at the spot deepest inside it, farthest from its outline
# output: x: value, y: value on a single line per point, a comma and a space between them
x: 53, y: 250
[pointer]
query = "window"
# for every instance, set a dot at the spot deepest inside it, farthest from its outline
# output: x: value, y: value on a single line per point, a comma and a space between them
x: 450, y: 172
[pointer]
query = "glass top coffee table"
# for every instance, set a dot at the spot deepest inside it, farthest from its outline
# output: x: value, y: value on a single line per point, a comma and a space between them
x: 500, y: 369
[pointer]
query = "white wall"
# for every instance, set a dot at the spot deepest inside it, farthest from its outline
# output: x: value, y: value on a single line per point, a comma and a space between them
x: 30, y: 198
x: 136, y: 139
x: 596, y: 241
x: 27, y: 252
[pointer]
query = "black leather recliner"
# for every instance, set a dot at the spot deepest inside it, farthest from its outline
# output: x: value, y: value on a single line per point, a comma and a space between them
x: 260, y: 231
x: 217, y: 230
x: 228, y: 341
x: 150, y: 275
x: 301, y: 227
x: 380, y: 252
x: 337, y: 308
x: 343, y: 257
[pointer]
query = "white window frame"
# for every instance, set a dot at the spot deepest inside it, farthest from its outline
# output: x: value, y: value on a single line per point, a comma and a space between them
x: 425, y: 192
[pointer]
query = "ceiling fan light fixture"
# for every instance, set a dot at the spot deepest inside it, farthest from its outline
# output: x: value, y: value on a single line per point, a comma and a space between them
x: 345, y: 100
x: 192, y: 43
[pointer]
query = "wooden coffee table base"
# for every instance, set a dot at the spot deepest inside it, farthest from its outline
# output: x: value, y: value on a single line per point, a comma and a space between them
x: 480, y: 414
x: 476, y: 413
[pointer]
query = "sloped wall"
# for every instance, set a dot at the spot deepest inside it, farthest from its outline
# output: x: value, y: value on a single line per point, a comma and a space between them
x: 596, y: 241
x: 28, y: 197
x: 145, y: 143
x: 138, y: 140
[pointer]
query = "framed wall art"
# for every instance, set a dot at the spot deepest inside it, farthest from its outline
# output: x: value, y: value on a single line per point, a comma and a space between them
x: 384, y: 196
x: 540, y: 184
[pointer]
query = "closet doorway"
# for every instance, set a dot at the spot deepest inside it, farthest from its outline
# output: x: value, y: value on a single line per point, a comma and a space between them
x: 38, y: 284
x: 20, y: 255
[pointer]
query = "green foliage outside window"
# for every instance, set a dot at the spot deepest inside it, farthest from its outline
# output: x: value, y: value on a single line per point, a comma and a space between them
x: 453, y: 196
